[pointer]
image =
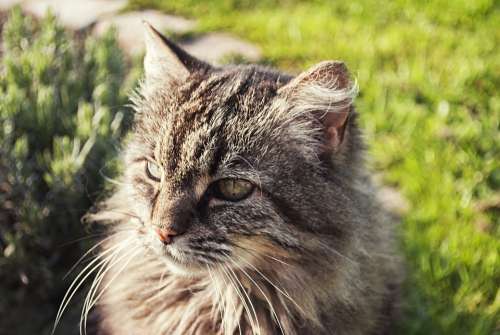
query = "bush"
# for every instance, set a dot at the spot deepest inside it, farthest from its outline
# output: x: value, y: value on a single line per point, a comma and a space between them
x: 59, y: 124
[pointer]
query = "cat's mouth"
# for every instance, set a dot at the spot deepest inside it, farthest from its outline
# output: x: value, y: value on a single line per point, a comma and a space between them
x: 180, y: 256
x: 174, y: 255
x: 179, y: 261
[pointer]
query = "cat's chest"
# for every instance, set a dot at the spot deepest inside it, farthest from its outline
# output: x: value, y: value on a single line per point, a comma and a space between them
x: 167, y: 306
x: 180, y: 307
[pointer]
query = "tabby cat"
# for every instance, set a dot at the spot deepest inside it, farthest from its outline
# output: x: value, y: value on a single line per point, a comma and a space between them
x: 244, y: 207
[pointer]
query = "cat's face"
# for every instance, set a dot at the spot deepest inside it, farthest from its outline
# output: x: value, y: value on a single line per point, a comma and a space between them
x: 223, y: 168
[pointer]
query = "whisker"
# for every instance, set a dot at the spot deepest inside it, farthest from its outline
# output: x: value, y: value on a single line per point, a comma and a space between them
x: 242, y: 299
x: 223, y: 275
x: 90, y: 268
x: 95, y: 284
x: 258, y: 255
x: 220, y: 305
x: 88, y: 252
x: 247, y: 296
x: 134, y: 252
x: 132, y: 255
x: 124, y: 213
x: 75, y: 285
x: 343, y: 256
x: 260, y: 289
x: 276, y: 259
x: 87, y: 237
x: 160, y: 286
x: 111, y: 180
x: 276, y: 287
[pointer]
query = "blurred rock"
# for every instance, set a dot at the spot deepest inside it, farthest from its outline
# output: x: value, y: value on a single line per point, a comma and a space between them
x: 215, y: 47
x: 393, y: 201
x: 7, y: 4
x: 130, y: 29
x: 74, y: 14
x: 212, y: 47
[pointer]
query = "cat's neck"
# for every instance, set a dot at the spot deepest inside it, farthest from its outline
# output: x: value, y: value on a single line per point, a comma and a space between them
x: 223, y: 301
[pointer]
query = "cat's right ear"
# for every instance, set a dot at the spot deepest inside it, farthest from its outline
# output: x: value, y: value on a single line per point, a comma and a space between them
x: 165, y: 60
x: 327, y: 92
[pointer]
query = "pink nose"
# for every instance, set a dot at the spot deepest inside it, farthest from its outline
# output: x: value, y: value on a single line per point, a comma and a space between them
x: 165, y: 234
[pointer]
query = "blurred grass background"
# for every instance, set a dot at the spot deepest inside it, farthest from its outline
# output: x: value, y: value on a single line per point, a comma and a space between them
x: 429, y: 73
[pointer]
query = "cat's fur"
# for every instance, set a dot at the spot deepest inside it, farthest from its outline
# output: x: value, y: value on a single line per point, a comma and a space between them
x: 309, y: 252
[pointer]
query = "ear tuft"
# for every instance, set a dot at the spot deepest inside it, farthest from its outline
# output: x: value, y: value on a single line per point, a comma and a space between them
x: 327, y: 92
x: 166, y: 60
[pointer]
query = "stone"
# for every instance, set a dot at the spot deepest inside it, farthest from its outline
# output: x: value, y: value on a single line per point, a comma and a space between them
x: 7, y: 4
x: 216, y: 47
x: 74, y: 14
x: 393, y: 201
x: 212, y: 47
x: 130, y: 29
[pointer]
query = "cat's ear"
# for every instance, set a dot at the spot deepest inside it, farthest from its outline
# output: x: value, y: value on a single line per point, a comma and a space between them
x: 327, y: 92
x: 165, y: 60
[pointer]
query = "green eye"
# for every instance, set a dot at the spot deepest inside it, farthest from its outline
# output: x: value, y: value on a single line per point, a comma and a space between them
x: 233, y: 189
x: 153, y: 171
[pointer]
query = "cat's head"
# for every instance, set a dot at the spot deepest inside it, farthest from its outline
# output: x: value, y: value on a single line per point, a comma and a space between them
x: 238, y: 165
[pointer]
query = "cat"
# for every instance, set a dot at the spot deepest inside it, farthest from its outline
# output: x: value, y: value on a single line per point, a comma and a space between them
x: 244, y: 207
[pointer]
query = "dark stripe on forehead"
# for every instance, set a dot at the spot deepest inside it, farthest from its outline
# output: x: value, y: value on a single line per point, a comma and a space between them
x: 217, y: 98
x: 219, y: 153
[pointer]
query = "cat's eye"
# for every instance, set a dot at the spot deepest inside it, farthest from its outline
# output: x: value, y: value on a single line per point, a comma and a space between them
x: 153, y: 171
x: 232, y: 189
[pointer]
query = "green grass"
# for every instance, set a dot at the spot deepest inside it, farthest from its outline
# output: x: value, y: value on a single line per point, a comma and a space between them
x: 429, y: 74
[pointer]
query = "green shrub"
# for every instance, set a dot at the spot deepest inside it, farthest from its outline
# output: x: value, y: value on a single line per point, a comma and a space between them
x: 59, y: 126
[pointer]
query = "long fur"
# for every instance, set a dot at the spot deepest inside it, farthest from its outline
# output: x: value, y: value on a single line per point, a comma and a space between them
x: 309, y: 252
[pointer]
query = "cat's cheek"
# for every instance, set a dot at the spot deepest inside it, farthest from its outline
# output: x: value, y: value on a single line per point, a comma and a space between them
x: 140, y: 206
x: 259, y: 251
x: 144, y: 188
x: 173, y: 257
x: 143, y: 210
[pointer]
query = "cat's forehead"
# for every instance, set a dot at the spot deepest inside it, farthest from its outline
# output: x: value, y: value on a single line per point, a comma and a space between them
x: 214, y: 120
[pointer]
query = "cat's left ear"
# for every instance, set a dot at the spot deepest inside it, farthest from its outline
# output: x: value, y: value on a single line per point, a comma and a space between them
x: 165, y: 60
x: 327, y: 92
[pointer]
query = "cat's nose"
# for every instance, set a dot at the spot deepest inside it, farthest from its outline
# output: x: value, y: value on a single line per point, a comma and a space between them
x: 166, y: 235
